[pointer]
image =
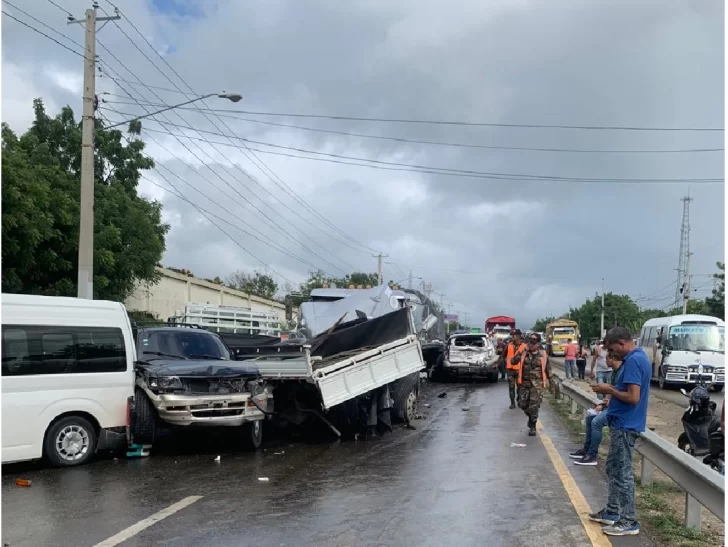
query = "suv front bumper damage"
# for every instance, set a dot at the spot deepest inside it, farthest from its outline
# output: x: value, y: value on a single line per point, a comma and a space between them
x: 230, y: 409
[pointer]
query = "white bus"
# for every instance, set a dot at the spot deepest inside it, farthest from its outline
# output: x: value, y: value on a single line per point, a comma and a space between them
x: 67, y: 375
x: 677, y: 345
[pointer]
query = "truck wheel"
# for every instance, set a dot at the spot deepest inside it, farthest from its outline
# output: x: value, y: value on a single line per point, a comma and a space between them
x: 437, y: 373
x: 252, y: 435
x: 70, y: 441
x: 404, y: 393
x: 145, y: 419
x: 718, y: 387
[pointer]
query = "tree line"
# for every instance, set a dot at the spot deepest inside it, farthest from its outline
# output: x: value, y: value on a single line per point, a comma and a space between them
x: 622, y: 310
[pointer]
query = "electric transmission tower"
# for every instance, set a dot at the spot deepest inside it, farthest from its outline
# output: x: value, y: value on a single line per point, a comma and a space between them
x: 682, y: 261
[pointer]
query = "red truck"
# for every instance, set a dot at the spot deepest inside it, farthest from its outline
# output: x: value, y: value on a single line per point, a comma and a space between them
x: 500, y: 326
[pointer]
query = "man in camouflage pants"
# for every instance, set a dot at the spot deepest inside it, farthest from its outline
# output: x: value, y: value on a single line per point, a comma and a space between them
x: 534, y: 375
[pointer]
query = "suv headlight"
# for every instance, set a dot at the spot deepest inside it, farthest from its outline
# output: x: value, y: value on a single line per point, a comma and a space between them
x: 165, y: 382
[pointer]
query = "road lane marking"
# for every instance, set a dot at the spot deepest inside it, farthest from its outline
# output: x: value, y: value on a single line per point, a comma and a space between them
x: 593, y: 530
x: 134, y: 529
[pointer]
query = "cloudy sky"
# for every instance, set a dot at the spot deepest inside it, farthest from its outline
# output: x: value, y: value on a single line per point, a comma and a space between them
x: 527, y: 244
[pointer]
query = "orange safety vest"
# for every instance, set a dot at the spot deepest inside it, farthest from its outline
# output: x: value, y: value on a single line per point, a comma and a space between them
x: 543, y: 369
x: 511, y: 351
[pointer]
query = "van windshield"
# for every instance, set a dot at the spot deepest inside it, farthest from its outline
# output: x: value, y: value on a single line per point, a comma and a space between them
x: 697, y: 338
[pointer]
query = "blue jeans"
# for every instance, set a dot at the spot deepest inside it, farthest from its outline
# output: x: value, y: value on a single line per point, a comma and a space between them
x: 569, y: 367
x: 603, y: 377
x: 620, y: 475
x: 593, y: 438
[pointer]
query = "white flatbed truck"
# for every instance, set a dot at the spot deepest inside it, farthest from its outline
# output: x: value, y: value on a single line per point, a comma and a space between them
x: 349, y: 388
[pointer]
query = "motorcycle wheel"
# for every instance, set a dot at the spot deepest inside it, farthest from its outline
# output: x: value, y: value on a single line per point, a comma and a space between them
x: 684, y: 444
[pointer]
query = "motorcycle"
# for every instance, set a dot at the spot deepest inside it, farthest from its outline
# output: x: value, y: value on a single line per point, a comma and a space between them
x: 702, y: 436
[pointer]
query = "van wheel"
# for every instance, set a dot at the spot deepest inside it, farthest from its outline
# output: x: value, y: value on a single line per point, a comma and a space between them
x: 70, y: 441
x: 661, y: 380
x: 252, y: 435
x: 145, y: 422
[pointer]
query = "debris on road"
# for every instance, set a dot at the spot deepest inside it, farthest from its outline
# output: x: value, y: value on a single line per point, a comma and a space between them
x: 442, y: 395
x: 263, y: 479
x: 217, y: 459
x: 465, y: 409
x: 517, y: 445
x: 23, y: 482
x: 279, y: 453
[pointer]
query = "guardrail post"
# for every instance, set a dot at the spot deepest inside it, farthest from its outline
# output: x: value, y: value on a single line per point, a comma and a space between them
x: 692, y: 512
x: 574, y: 406
x: 647, y: 470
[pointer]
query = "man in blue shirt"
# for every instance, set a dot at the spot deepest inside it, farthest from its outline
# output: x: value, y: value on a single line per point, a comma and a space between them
x: 627, y: 418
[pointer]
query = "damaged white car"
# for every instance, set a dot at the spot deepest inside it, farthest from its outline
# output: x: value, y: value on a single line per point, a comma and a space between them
x: 468, y: 355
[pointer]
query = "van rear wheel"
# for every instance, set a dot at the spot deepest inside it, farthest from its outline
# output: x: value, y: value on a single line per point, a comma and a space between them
x: 70, y: 441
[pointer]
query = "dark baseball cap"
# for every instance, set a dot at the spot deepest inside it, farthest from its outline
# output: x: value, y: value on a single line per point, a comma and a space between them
x: 516, y: 332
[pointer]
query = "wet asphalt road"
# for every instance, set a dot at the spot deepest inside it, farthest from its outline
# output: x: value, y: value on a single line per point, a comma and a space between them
x: 454, y: 480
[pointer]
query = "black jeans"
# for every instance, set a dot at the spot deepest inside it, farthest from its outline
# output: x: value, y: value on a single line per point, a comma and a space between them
x: 581, y: 367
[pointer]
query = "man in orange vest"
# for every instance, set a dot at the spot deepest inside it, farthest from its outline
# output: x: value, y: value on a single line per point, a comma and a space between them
x: 534, y: 375
x: 514, y: 347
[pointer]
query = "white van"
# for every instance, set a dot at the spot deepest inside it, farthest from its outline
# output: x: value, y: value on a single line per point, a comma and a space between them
x: 677, y: 345
x: 67, y: 375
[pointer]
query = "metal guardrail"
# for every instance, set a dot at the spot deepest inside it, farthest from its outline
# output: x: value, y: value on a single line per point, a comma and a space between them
x: 703, y: 486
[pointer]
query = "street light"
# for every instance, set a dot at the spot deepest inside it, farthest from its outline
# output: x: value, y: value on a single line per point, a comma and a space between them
x: 234, y: 97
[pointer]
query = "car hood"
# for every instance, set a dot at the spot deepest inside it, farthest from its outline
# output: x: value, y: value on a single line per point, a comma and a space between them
x: 203, y: 368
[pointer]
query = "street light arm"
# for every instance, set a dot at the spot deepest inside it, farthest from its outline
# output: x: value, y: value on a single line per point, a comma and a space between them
x: 234, y: 97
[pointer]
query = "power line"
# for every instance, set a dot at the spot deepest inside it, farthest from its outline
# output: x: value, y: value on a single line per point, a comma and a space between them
x: 466, y: 124
x: 256, y: 161
x: 223, y: 180
x: 380, y: 164
x: 31, y: 27
x: 243, y: 197
x: 60, y: 8
x: 454, y: 144
x: 206, y: 212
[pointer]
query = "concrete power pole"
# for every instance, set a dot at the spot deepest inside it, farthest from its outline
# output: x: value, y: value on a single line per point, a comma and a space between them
x: 379, y: 258
x: 86, y: 228
x: 686, y: 288
x: 684, y: 248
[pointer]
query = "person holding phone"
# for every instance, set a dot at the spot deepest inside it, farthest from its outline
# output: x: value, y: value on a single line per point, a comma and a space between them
x: 595, y: 422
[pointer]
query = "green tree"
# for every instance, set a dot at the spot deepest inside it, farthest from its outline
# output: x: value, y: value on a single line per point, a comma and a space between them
x: 618, y: 310
x: 40, y: 218
x: 540, y: 324
x: 716, y: 302
x: 256, y: 283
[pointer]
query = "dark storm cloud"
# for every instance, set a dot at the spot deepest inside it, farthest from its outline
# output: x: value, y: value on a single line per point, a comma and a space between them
x: 492, y: 246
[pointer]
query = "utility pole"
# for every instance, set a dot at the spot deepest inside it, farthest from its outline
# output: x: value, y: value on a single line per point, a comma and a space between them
x: 601, y: 325
x: 684, y: 248
x: 86, y: 228
x: 686, y: 288
x: 379, y: 258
